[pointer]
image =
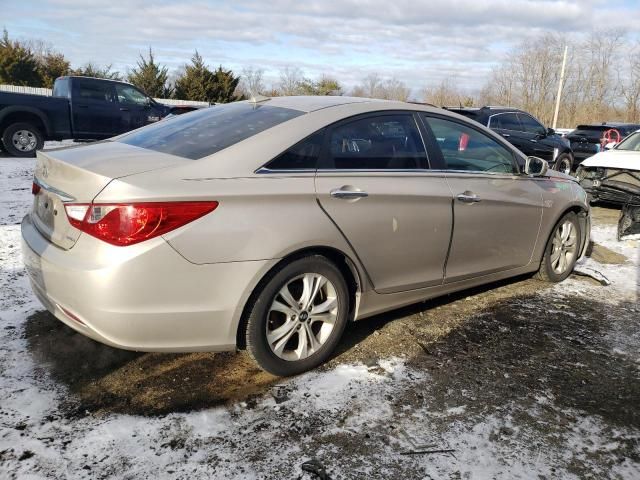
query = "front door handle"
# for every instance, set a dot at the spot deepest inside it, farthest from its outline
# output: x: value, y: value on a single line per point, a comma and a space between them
x: 506, y: 135
x: 468, y: 197
x: 346, y: 193
x: 124, y: 109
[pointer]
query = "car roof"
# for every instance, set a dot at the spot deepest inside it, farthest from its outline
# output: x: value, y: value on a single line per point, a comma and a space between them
x: 311, y: 103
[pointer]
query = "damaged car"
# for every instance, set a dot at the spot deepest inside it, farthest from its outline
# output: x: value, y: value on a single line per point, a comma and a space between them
x: 613, y: 176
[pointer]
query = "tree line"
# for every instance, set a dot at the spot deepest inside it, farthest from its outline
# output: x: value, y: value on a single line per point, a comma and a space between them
x: 602, y: 80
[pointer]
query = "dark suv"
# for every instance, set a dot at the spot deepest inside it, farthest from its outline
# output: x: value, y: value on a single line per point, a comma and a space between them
x: 587, y: 140
x: 526, y: 133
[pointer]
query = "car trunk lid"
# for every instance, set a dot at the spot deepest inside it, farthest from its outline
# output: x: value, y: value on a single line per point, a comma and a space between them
x: 77, y: 175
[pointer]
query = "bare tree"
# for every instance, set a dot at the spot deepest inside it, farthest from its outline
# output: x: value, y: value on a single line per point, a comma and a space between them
x: 251, y: 81
x: 290, y: 80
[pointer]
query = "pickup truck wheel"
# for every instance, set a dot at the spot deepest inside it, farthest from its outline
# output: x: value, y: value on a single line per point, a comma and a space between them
x: 22, y: 140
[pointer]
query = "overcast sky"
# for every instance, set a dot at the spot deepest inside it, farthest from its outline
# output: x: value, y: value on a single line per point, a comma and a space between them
x: 419, y: 42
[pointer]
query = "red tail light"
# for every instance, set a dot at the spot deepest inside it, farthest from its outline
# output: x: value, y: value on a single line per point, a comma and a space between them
x: 35, y: 188
x: 126, y: 224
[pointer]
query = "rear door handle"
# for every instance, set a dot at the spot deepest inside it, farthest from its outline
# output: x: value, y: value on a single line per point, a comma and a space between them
x: 346, y: 194
x: 468, y: 197
x: 124, y: 109
x: 505, y: 134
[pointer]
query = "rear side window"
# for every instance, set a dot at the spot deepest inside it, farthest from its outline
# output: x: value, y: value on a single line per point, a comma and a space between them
x: 61, y: 88
x: 303, y: 155
x: 204, y: 132
x: 93, y: 91
x: 506, y: 121
x: 468, y: 150
x: 385, y: 142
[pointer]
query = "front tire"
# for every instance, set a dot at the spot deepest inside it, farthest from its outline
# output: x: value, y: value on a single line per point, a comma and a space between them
x: 564, y: 164
x: 562, y: 251
x: 22, y: 139
x: 298, y: 316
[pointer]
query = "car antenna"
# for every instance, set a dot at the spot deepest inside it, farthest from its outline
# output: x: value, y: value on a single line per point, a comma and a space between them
x: 256, y: 99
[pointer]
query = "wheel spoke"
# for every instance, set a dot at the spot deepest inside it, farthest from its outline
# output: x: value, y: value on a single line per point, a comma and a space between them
x: 278, y: 348
x: 303, y: 348
x: 286, y: 328
x: 313, y: 342
x: 555, y: 256
x: 328, y: 318
x: 326, y: 306
x: 285, y: 294
x: 282, y: 308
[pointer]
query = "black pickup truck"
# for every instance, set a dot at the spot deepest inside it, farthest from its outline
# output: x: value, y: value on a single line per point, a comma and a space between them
x: 81, y: 108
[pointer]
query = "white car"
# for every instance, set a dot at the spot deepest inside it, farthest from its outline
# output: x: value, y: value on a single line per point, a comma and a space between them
x: 613, y: 176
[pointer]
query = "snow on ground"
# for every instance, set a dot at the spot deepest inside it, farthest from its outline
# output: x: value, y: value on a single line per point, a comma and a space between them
x: 358, y: 419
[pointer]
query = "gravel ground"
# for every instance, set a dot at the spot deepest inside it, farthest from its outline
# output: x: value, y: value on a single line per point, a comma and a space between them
x: 518, y: 379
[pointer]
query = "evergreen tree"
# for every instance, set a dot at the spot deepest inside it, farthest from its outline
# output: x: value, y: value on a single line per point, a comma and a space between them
x: 52, y: 66
x: 150, y: 77
x: 92, y: 70
x: 201, y: 84
x: 226, y: 84
x: 18, y: 64
x: 197, y: 82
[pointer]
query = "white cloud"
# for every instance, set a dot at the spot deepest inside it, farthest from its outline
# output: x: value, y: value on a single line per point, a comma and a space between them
x: 417, y: 41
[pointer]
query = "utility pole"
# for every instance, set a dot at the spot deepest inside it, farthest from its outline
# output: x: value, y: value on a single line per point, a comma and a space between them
x: 564, y: 64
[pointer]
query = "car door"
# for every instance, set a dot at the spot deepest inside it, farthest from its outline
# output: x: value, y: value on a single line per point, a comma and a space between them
x: 536, y: 135
x: 135, y: 108
x: 374, y: 183
x: 497, y: 211
x: 94, y: 109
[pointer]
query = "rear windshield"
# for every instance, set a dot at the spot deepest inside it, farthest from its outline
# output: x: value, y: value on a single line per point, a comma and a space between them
x: 207, y: 131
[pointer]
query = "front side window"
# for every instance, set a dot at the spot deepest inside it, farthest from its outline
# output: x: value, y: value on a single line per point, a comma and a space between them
x: 384, y: 142
x: 466, y: 149
x: 129, y: 95
x: 506, y: 121
x: 531, y: 125
x: 209, y: 130
x: 91, y: 90
x: 303, y: 155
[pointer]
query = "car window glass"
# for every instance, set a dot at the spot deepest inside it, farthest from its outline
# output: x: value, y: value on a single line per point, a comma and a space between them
x: 531, y: 125
x: 466, y: 149
x: 209, y: 130
x: 377, y: 143
x: 631, y: 143
x: 96, y: 91
x: 506, y: 121
x: 302, y: 156
x: 61, y: 88
x: 130, y: 95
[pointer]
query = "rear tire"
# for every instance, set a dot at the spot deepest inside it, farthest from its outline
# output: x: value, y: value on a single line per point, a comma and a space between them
x: 22, y: 139
x: 562, y: 250
x: 298, y: 316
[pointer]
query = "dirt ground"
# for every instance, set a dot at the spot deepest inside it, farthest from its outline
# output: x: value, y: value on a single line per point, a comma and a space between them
x: 512, y: 380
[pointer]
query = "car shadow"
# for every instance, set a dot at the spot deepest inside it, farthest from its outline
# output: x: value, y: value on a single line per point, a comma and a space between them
x: 104, y: 379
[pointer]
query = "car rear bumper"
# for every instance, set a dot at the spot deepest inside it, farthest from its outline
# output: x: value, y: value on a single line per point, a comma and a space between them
x: 144, y: 297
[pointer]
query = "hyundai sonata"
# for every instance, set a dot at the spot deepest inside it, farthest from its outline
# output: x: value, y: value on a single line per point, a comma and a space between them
x: 270, y: 224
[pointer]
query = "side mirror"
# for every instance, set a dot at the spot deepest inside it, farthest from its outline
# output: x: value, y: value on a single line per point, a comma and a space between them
x: 536, y: 167
x: 610, y: 145
x: 550, y: 131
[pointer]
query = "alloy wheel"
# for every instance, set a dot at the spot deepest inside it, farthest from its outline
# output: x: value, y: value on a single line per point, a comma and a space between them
x: 302, y: 316
x: 564, y: 247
